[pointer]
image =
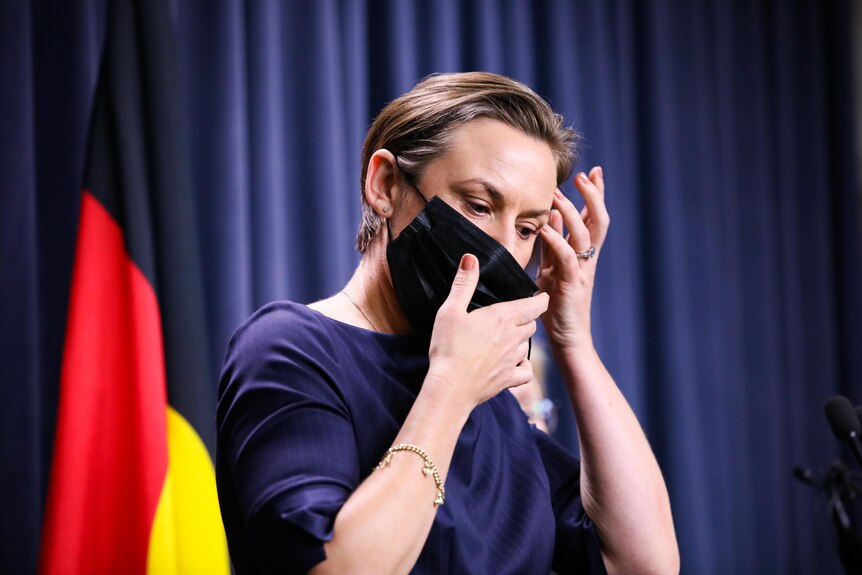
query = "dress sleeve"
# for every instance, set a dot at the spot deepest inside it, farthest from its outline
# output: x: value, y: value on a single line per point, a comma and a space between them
x: 286, y: 453
x: 576, y: 546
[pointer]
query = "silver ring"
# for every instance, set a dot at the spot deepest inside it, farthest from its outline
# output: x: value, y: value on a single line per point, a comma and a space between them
x: 587, y: 254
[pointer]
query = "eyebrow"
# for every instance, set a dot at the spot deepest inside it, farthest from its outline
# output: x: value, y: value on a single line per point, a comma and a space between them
x: 498, y: 196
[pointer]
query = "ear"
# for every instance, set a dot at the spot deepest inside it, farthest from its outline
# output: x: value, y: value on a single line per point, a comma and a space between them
x: 380, y: 182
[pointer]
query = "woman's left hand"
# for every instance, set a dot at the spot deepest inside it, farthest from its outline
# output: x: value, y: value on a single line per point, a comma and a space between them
x: 567, y: 278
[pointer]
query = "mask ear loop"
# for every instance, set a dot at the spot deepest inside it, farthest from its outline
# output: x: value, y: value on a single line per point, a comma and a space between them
x: 409, y: 179
x: 534, y: 266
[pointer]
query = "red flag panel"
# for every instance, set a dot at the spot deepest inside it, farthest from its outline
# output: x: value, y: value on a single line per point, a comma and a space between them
x: 110, y: 455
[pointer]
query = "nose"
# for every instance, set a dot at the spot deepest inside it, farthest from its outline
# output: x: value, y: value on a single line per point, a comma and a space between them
x: 507, y: 236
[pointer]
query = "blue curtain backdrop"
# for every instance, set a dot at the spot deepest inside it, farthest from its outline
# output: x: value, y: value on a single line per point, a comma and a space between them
x: 727, y: 303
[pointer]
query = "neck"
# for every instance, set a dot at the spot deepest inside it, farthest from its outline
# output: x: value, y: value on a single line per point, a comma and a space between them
x: 371, y: 289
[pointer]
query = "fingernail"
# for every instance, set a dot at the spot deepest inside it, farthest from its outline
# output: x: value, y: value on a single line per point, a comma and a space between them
x: 599, y: 170
x: 583, y: 177
x: 467, y: 263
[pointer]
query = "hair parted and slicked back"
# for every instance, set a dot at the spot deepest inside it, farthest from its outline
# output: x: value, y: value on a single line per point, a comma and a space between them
x: 420, y: 125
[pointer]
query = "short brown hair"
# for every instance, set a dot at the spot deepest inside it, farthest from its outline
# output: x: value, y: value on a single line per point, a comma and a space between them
x: 419, y: 125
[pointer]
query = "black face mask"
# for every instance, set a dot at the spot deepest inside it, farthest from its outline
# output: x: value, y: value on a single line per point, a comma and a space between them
x: 424, y: 259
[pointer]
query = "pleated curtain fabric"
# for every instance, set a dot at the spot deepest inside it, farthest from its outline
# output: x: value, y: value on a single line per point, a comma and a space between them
x: 726, y: 304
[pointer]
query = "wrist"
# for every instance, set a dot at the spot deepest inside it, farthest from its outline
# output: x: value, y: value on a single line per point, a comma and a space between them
x: 576, y: 348
x: 568, y: 334
x: 445, y: 395
x: 577, y: 357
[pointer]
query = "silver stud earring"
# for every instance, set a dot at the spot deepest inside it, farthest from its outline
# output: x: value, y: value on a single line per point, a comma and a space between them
x: 385, y: 209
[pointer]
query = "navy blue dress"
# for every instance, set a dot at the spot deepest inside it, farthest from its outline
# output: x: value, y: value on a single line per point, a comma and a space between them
x: 307, y: 407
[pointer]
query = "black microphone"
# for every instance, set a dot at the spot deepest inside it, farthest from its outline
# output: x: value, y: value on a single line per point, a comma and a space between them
x: 807, y: 476
x: 845, y: 423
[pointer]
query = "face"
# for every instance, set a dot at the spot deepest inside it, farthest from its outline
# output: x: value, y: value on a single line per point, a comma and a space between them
x: 496, y: 176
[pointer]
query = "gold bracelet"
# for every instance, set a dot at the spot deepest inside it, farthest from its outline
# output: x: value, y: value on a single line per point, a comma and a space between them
x: 428, y: 469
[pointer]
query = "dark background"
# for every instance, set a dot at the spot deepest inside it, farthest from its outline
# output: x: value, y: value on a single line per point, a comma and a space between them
x: 727, y: 304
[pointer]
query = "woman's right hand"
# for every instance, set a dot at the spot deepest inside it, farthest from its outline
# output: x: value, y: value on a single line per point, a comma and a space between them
x: 474, y: 356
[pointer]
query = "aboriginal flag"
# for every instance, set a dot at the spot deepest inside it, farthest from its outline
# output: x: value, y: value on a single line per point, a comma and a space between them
x: 132, y: 484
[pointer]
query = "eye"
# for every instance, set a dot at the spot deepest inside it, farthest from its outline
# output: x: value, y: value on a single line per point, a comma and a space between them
x: 477, y: 208
x: 527, y: 232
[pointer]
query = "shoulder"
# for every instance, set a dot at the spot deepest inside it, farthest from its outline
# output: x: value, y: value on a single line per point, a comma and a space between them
x: 281, y: 327
x: 279, y: 343
x: 279, y: 320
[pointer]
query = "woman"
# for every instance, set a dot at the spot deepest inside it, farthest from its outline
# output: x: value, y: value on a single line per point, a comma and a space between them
x: 372, y: 432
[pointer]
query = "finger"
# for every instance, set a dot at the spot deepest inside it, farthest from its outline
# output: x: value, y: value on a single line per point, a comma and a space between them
x: 522, y: 335
x: 464, y: 283
x: 527, y: 330
x: 522, y: 351
x: 591, y: 186
x: 555, y: 220
x: 523, y: 373
x: 523, y: 311
x: 592, y: 189
x: 597, y: 177
x: 579, y: 235
x: 558, y: 247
